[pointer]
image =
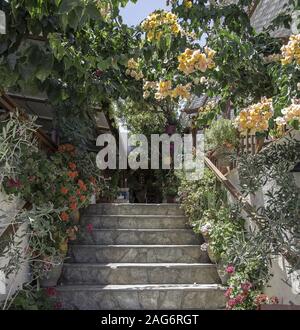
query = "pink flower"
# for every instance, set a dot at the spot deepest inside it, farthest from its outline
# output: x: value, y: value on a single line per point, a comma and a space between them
x: 90, y: 228
x: 228, y: 292
x: 58, y: 305
x: 231, y: 303
x: 246, y: 286
x: 11, y: 183
x: 230, y: 269
x: 51, y: 292
x: 274, y: 300
x: 239, y: 299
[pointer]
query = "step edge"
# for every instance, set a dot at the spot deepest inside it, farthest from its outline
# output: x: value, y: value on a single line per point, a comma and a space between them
x: 139, y: 264
x: 140, y: 287
x: 137, y: 245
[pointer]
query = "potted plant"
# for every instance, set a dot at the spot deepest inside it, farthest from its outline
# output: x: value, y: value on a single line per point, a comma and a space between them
x: 221, y: 140
x: 170, y: 194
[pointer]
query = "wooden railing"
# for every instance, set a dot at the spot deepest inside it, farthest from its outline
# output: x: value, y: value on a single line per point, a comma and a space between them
x: 290, y: 256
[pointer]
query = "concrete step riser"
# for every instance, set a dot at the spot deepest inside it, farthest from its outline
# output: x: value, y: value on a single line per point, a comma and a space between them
x: 139, y: 222
x: 134, y: 209
x: 96, y: 274
x: 141, y: 299
x: 108, y: 254
x: 141, y: 237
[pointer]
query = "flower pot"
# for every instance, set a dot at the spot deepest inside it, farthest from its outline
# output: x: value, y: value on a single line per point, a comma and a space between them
x: 259, y: 143
x: 75, y: 217
x: 93, y: 199
x: 171, y: 199
x: 206, y: 238
x: 222, y: 274
x: 51, y: 278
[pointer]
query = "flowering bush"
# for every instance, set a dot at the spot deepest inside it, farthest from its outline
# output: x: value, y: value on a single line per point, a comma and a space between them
x: 159, y: 23
x: 291, y: 51
x: 242, y: 293
x: 255, y: 118
x: 193, y: 60
x: 54, y: 179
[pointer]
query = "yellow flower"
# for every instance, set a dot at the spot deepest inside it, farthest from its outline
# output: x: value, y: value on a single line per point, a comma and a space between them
x: 193, y: 60
x: 158, y: 23
x: 255, y: 118
x: 291, y: 51
x: 292, y: 112
x: 188, y: 3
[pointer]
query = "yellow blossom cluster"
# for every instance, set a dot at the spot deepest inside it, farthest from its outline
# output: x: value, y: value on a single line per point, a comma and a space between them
x: 255, y: 118
x: 193, y: 60
x: 160, y: 22
x: 291, y: 51
x: 133, y: 70
x: 183, y: 91
x: 163, y: 89
x: 290, y: 114
x: 208, y: 107
x: 188, y: 3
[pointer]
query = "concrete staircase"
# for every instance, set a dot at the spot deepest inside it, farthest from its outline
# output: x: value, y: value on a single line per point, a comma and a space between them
x: 139, y: 256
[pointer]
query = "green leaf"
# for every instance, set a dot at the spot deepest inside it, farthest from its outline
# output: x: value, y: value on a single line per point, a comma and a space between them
x: 67, y: 5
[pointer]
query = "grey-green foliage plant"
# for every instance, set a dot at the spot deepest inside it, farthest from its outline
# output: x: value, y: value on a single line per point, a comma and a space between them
x: 40, y: 230
x: 16, y: 135
x: 280, y: 228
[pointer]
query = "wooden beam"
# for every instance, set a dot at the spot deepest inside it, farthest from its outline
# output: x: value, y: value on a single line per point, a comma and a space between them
x: 28, y: 98
x: 11, y: 106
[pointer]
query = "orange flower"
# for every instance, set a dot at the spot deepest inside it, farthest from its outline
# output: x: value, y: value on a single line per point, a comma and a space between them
x: 64, y: 190
x: 80, y: 183
x: 72, y: 166
x: 78, y: 192
x: 72, y: 199
x: 82, y: 198
x: 64, y: 216
x: 72, y: 175
x: 73, y: 206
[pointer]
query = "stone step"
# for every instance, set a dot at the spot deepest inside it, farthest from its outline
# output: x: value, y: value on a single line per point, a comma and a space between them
x: 134, y: 209
x: 136, y: 221
x: 137, y: 253
x: 140, y: 236
x: 142, y: 296
x: 141, y: 273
